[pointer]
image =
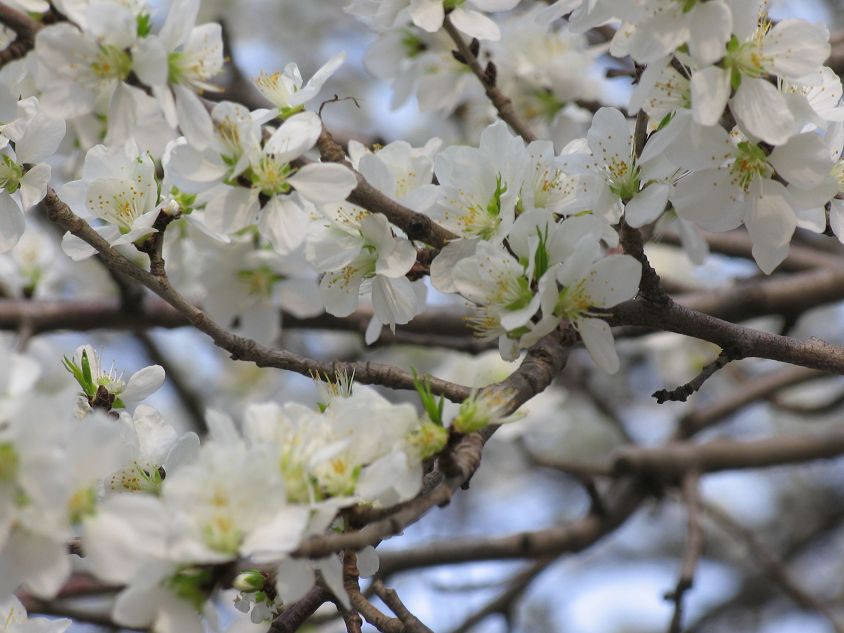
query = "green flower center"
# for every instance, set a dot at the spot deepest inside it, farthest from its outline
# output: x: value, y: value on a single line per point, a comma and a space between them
x: 573, y: 302
x: 11, y: 174
x: 259, y: 281
x: 623, y: 178
x: 112, y: 63
x: 82, y: 504
x: 751, y: 162
x: 270, y: 176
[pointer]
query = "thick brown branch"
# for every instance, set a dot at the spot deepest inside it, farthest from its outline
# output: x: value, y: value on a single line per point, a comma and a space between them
x: 672, y: 462
x: 745, y: 342
x: 633, y: 245
x: 620, y: 502
x: 19, y: 22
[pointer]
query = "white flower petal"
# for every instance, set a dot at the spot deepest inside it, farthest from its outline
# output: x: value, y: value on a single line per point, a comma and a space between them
x: 324, y: 182
x: 296, y: 135
x: 284, y: 223
x: 143, y: 383
x: 12, y: 222
x: 475, y: 24
x: 762, y: 111
x: 710, y: 92
x: 647, y: 205
x: 712, y: 24
x: 599, y: 342
x: 394, y: 300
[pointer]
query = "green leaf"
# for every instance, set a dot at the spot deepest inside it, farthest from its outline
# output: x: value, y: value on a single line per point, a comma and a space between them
x: 433, y: 406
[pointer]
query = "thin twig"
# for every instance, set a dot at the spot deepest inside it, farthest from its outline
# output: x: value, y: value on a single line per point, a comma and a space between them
x: 774, y: 569
x: 499, y: 100
x: 682, y: 393
x: 503, y: 603
x: 694, y: 544
x: 412, y: 624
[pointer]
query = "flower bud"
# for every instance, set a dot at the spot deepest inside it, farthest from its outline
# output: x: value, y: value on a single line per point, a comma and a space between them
x: 249, y: 581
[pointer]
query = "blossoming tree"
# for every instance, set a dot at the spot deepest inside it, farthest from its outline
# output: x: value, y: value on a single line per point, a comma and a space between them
x: 514, y: 279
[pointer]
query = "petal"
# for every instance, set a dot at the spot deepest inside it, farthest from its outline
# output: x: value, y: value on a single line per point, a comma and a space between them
x: 710, y: 92
x: 796, y: 48
x: 711, y: 26
x: 770, y: 223
x: 296, y: 135
x: 143, y: 383
x: 599, y: 342
x: 394, y: 300
x: 72, y: 246
x: 39, y: 563
x: 610, y: 137
x: 194, y: 120
x: 475, y: 24
x: 428, y: 15
x: 442, y: 268
x: 231, y: 210
x: 284, y: 223
x: 708, y: 199
x: 339, y: 291
x: 803, y: 161
x: 149, y: 61
x: 12, y: 222
x: 294, y: 578
x: 278, y: 535
x: 836, y: 219
x: 127, y: 530
x: 41, y: 140
x: 762, y: 111
x: 647, y: 205
x: 315, y: 83
x: 613, y: 279
x: 179, y: 23
x: 34, y: 185
x: 324, y: 182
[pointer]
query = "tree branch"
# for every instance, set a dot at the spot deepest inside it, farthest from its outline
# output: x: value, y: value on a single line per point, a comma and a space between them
x: 539, y: 368
x: 694, y: 544
x: 774, y: 569
x: 672, y: 462
x: 682, y: 393
x: 239, y: 347
x: 417, y: 226
x: 294, y: 616
x: 411, y: 623
x: 746, y: 342
x: 499, y: 100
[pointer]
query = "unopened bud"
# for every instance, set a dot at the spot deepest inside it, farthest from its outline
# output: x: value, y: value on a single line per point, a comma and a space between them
x: 249, y: 581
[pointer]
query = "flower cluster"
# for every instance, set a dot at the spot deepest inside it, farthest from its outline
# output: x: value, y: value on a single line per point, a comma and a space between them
x: 162, y: 515
x: 257, y: 216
